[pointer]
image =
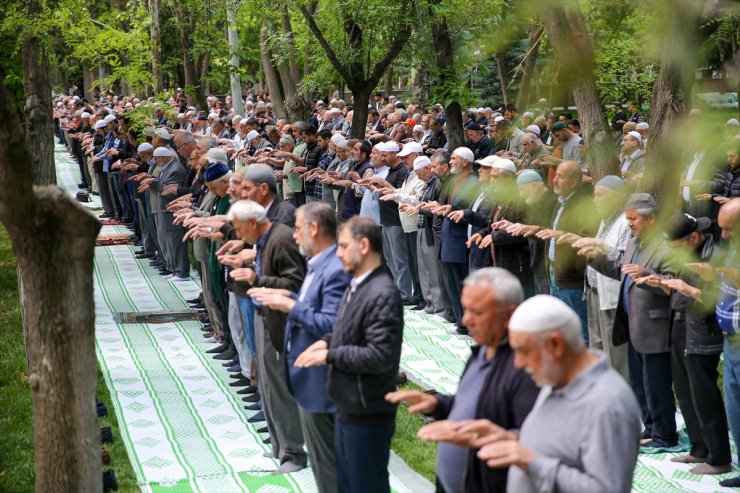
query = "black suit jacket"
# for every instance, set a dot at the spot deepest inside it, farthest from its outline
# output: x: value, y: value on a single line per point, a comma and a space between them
x: 281, y: 212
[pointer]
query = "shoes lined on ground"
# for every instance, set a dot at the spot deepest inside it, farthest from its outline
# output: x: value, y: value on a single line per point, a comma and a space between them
x: 104, y: 455
x: 102, y: 410
x: 248, y: 390
x: 252, y: 407
x: 420, y: 306
x: 730, y: 483
x: 240, y: 382
x: 196, y: 300
x: 263, y: 430
x: 236, y: 370
x: 106, y: 434
x: 229, y: 354
x: 219, y: 349
x: 257, y: 418
x: 255, y: 397
x: 267, y: 441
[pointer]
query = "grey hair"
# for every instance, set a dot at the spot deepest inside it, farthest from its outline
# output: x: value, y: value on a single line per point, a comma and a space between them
x: 323, y: 215
x: 442, y: 156
x: 186, y: 138
x: 646, y: 211
x: 244, y: 210
x: 209, y: 142
x: 225, y: 178
x: 533, y: 137
x: 504, y: 285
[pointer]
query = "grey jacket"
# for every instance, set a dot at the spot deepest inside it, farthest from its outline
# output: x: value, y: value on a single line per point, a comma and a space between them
x: 647, y: 323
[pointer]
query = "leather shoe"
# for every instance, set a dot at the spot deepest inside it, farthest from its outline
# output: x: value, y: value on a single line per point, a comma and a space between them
x: 241, y: 382
x: 106, y: 434
x: 420, y: 306
x: 236, y: 375
x: 218, y: 349
x: 144, y: 255
x: 248, y: 390
x: 231, y: 363
x: 257, y: 418
x: 252, y: 407
x: 236, y: 370
x: 208, y: 335
x: 198, y: 306
x: 196, y: 300
x: 104, y: 455
x: 102, y: 410
x: 401, y: 378
x: 109, y: 481
x: 207, y: 328
x: 251, y: 398
x: 165, y: 272
x: 229, y: 354
x: 263, y: 430
x: 267, y: 441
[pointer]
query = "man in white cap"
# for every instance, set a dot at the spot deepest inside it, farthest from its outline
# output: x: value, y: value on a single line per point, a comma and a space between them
x: 632, y: 159
x: 409, y: 193
x: 584, y: 429
x: 462, y: 192
x: 170, y: 235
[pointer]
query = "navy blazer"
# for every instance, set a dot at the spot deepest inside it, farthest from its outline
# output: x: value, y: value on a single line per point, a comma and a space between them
x: 455, y: 235
x: 309, y: 321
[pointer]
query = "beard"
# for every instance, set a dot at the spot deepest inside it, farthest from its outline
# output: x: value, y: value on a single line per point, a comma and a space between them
x: 352, y: 263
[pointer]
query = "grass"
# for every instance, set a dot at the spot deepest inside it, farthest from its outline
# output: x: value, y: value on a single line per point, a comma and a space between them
x: 16, y: 417
x: 420, y: 456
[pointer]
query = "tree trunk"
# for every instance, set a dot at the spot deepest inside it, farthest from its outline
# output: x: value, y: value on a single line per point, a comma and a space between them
x: 53, y: 239
x: 88, y: 88
x: 446, y: 68
x: 420, y: 85
x: 204, y: 68
x: 502, y: 77
x: 156, y: 46
x: 295, y: 74
x: 388, y: 87
x: 361, y: 99
x: 565, y: 27
x: 271, y: 77
x: 38, y: 112
x: 236, y: 86
x: 535, y: 36
x: 186, y: 25
x: 671, y: 94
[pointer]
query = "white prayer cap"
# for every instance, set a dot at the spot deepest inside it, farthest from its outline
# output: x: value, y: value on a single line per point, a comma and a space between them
x: 505, y: 164
x: 75, y: 98
x: 380, y: 147
x: 422, y: 162
x: 249, y: 103
x: 109, y: 119
x: 636, y: 136
x: 181, y: 115
x: 480, y: 110
x: 733, y: 122
x: 472, y: 110
x: 162, y: 134
x: 129, y: 105
x: 333, y: 101
x: 146, y: 146
x: 236, y: 119
x: 243, y: 121
x: 162, y: 152
x: 79, y: 112
x: 543, y: 313
x: 488, y: 161
x: 644, y: 126
x: 534, y: 129
x: 100, y: 124
x: 391, y: 146
x: 320, y: 102
x: 465, y: 153
x: 342, y: 144
x: 253, y: 134
x: 528, y: 114
x: 85, y: 115
x: 137, y: 100
x: 498, y: 119
x: 410, y: 147
x: 417, y: 128
x: 60, y: 104
x: 488, y: 109
x: 214, y: 117
x: 336, y: 138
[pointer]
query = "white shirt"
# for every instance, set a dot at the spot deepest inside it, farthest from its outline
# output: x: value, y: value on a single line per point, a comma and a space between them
x: 356, y: 281
x: 686, y: 192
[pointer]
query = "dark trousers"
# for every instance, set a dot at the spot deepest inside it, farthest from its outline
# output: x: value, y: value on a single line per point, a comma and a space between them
x: 651, y: 380
x: 695, y: 379
x: 456, y: 274
x: 409, y: 240
x: 105, y: 193
x: 362, y: 454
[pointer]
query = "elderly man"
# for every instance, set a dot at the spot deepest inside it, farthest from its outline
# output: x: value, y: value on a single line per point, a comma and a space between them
x: 479, y: 143
x: 534, y: 151
x: 602, y: 292
x: 642, y: 318
x: 363, y: 353
x: 573, y: 215
x: 632, y: 159
x: 460, y: 195
x: 583, y: 432
x: 491, y: 387
x: 311, y: 314
x: 278, y: 264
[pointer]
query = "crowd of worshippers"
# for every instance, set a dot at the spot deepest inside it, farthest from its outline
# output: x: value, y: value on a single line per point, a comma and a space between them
x: 309, y: 244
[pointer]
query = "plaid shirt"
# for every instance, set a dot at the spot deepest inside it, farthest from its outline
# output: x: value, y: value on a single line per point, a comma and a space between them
x: 324, y: 163
x: 728, y: 302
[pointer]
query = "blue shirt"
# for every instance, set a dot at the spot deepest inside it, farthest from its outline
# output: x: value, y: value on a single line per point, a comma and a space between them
x: 452, y: 460
x: 728, y: 302
x: 551, y: 250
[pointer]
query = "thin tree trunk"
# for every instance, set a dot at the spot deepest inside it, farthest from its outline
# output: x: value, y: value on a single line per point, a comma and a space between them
x: 565, y: 27
x: 53, y: 239
x: 535, y: 36
x: 445, y: 64
x: 361, y: 98
x: 271, y: 77
x: 388, y: 88
x: 502, y: 77
x: 670, y: 103
x: 88, y: 88
x: 236, y: 86
x: 186, y: 25
x: 295, y: 74
x: 420, y: 84
x: 156, y: 45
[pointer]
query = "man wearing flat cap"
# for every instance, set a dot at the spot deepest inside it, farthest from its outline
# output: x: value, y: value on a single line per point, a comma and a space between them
x: 696, y: 343
x: 643, y: 318
x: 478, y: 142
